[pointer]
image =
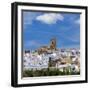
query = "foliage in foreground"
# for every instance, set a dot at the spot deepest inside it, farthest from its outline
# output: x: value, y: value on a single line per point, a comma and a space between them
x: 48, y: 72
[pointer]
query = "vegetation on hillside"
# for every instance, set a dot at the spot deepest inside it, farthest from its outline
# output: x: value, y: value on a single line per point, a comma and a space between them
x: 48, y: 72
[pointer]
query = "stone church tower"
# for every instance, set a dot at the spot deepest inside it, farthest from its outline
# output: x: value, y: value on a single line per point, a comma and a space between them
x: 53, y: 44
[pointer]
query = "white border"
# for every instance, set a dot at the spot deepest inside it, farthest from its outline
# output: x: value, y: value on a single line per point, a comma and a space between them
x: 82, y: 48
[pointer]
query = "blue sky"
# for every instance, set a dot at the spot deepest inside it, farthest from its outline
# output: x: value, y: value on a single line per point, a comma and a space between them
x: 40, y: 27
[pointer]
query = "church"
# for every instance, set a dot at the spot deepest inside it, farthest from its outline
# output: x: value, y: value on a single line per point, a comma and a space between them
x: 46, y: 49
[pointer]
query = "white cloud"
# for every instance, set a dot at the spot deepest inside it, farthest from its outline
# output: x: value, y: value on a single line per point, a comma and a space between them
x: 77, y: 21
x: 28, y: 17
x: 50, y: 18
x: 32, y: 43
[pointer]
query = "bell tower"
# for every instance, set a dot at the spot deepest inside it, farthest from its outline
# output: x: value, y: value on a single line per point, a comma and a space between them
x: 53, y: 44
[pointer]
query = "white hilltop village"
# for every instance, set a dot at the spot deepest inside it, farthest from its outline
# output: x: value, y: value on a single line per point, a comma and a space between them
x: 52, y: 57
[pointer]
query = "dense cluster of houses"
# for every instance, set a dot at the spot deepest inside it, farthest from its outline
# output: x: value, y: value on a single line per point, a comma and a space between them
x: 61, y: 58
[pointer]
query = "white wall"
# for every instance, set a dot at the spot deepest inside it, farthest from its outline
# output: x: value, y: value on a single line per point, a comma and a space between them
x: 5, y: 46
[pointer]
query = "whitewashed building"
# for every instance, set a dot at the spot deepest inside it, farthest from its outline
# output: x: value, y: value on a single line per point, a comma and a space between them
x: 36, y: 61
